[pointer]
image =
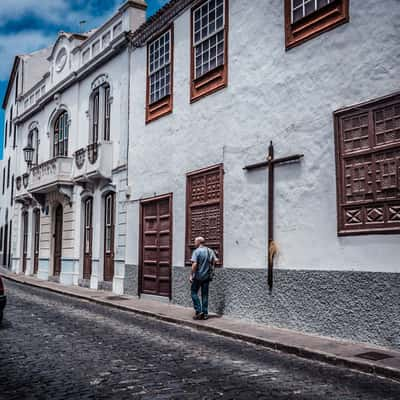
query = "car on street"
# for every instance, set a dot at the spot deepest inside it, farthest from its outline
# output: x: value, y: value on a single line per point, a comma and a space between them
x: 3, y: 299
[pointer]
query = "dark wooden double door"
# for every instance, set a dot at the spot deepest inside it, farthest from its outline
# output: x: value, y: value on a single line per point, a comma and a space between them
x: 88, y: 238
x: 36, y: 237
x: 58, y: 230
x: 156, y: 246
x: 109, y: 237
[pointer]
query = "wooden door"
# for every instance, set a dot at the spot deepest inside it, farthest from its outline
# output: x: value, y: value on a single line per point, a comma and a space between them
x: 88, y: 236
x: 109, y: 230
x: 58, y: 229
x: 156, y: 246
x: 5, y: 245
x: 25, y: 220
x: 36, y: 240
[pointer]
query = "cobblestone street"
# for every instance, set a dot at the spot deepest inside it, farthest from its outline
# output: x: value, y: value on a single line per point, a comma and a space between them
x: 56, y: 347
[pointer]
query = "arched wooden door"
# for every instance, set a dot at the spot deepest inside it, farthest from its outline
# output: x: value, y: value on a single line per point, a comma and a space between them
x: 25, y: 220
x: 36, y: 240
x: 109, y: 234
x: 58, y: 229
x: 88, y: 237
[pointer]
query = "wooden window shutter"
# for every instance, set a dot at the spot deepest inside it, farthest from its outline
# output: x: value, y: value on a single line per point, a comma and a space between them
x: 204, y: 210
x: 368, y: 167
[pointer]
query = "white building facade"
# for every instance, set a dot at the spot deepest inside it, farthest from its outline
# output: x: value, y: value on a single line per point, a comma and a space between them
x: 189, y: 99
x: 68, y: 208
x: 238, y: 75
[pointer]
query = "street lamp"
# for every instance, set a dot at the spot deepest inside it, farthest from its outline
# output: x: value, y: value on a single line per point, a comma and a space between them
x: 28, y: 155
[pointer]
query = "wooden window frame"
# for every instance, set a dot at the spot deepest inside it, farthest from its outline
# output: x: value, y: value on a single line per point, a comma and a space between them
x: 377, y: 152
x: 107, y: 113
x: 163, y: 106
x: 65, y: 138
x: 8, y: 172
x: 33, y: 141
x: 188, y: 228
x: 320, y: 21
x: 12, y: 191
x: 109, y: 223
x: 5, y: 134
x: 11, y: 122
x: 88, y: 225
x: 95, y: 116
x: 217, y: 78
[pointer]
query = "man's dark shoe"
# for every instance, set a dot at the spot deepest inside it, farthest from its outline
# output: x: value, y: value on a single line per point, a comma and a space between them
x: 205, y: 317
x: 198, y: 316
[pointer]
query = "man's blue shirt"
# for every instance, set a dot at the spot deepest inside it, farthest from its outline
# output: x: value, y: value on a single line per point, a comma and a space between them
x: 204, y: 257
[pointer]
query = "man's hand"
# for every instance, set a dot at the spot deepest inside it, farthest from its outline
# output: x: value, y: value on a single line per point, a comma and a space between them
x: 191, y: 278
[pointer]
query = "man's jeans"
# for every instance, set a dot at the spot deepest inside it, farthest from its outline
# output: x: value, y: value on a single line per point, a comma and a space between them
x: 203, y: 306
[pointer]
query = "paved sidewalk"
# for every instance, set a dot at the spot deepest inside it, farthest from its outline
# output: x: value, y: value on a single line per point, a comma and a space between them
x: 319, y: 348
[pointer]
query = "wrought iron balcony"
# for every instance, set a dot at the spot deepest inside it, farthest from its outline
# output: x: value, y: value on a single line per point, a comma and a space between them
x: 93, y: 162
x: 50, y: 175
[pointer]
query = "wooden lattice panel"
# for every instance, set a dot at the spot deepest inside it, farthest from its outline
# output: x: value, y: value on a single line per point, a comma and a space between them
x: 368, y: 167
x: 204, y: 209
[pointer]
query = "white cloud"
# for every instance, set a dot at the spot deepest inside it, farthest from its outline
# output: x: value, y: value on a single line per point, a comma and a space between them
x: 56, y: 12
x: 20, y: 43
x: 53, y: 11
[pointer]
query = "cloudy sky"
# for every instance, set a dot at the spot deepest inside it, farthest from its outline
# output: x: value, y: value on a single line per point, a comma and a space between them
x: 28, y: 25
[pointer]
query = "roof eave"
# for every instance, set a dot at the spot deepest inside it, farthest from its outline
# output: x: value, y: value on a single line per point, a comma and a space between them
x: 10, y: 81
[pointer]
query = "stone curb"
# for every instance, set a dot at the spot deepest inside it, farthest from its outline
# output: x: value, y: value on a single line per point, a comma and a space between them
x: 303, y: 352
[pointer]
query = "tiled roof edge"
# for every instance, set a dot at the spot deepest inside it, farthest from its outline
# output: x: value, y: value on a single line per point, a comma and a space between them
x: 158, y: 21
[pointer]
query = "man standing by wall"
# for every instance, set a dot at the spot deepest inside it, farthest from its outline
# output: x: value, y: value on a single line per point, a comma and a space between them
x: 203, y: 263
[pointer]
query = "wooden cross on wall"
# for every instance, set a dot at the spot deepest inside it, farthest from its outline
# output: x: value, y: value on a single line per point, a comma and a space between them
x: 270, y: 164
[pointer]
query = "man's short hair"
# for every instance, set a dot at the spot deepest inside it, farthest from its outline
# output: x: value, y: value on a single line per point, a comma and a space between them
x: 200, y: 239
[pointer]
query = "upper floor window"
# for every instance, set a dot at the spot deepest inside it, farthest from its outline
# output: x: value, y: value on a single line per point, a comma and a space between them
x: 100, y: 114
x: 11, y: 122
x: 33, y: 141
x: 12, y: 191
x: 209, y: 47
x: 5, y: 134
x: 4, y: 179
x: 107, y: 112
x: 368, y: 167
x: 8, y: 172
x: 16, y: 87
x: 159, y: 76
x: 305, y: 19
x: 95, y: 116
x: 60, y: 138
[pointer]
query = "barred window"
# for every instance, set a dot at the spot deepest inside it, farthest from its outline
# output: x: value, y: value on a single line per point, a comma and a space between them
x: 208, y: 34
x: 302, y: 8
x: 159, y: 67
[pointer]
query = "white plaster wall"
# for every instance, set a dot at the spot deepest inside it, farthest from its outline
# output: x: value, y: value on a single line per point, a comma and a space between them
x: 287, y: 97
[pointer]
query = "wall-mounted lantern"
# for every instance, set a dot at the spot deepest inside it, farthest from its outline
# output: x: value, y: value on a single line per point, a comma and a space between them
x: 28, y: 155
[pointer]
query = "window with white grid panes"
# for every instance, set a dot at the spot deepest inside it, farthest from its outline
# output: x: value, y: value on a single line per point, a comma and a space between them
x: 303, y: 8
x: 160, y: 67
x: 208, y: 36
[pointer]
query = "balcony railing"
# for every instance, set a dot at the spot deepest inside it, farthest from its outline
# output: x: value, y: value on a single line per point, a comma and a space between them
x: 51, y: 173
x: 94, y: 162
x: 21, y: 188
